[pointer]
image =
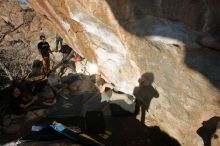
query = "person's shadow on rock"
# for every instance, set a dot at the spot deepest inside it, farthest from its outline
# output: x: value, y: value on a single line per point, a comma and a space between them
x: 208, y: 129
x: 144, y: 93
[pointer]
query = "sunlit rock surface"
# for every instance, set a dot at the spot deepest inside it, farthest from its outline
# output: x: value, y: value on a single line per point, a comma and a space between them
x: 20, y: 24
x: 127, y: 38
x: 20, y: 28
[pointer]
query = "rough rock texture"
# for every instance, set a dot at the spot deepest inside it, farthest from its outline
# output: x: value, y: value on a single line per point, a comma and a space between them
x: 20, y: 28
x: 20, y: 22
x: 127, y: 38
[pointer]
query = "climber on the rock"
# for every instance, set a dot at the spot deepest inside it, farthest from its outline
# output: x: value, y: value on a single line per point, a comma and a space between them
x: 69, y: 53
x: 68, y: 59
x: 44, y: 50
x: 66, y: 50
x: 104, y: 87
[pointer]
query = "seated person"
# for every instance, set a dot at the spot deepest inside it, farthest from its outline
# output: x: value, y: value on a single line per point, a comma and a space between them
x: 44, y: 92
x: 104, y: 87
x: 21, y: 102
x: 37, y: 68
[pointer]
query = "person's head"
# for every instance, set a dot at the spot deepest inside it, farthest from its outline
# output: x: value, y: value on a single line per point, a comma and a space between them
x: 98, y: 76
x: 146, y: 79
x: 75, y: 88
x: 16, y: 91
x: 42, y: 37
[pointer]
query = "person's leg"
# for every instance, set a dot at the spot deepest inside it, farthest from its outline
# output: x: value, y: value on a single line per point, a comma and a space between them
x: 72, y: 66
x: 143, y: 114
x: 62, y: 71
x: 46, y: 63
x: 57, y: 43
x: 61, y: 43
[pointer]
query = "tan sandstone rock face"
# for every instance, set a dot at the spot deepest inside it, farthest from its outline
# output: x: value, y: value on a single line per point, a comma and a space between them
x: 128, y: 38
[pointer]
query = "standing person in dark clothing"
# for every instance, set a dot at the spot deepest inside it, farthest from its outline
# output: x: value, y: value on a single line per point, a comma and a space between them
x: 59, y: 40
x: 44, y: 50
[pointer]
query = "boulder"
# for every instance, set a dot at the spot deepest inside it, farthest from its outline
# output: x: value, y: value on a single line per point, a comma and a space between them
x: 126, y: 39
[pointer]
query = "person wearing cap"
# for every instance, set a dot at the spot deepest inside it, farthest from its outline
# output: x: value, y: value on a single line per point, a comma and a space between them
x: 44, y: 50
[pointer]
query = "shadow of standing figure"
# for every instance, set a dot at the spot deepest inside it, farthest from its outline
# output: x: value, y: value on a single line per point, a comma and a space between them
x: 208, y: 129
x: 144, y: 93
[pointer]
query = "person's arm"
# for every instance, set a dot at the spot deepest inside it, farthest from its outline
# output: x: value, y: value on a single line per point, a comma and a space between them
x: 106, y: 85
x: 24, y: 106
x: 100, y: 84
x: 38, y: 48
x: 49, y: 49
x: 73, y: 59
x: 50, y: 104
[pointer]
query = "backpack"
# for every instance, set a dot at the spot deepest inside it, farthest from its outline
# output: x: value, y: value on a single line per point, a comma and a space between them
x: 65, y: 49
x: 37, y: 67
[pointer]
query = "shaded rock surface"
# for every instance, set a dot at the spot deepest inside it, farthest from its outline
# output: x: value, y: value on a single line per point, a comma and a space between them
x: 129, y: 38
x: 70, y: 103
